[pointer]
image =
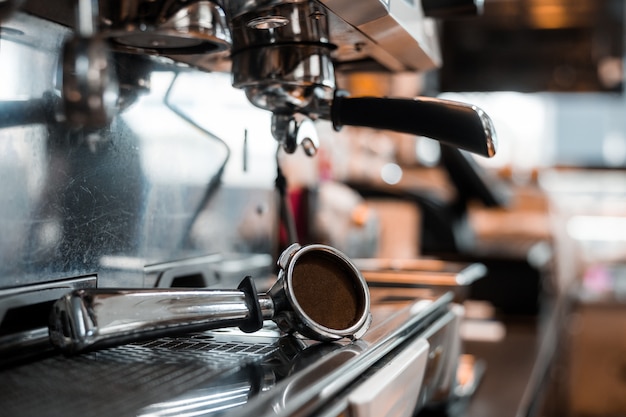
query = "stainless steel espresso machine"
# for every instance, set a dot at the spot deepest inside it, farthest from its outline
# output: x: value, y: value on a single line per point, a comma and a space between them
x: 141, y: 270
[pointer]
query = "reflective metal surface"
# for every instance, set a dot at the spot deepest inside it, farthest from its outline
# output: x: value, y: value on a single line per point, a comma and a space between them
x: 394, y: 34
x: 110, y: 201
x: 24, y: 314
x: 226, y: 372
x: 195, y: 27
x: 135, y: 379
x: 321, y: 389
x: 280, y: 66
x: 92, y: 319
x: 283, y: 53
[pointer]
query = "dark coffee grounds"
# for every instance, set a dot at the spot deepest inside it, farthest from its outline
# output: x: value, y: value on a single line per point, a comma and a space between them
x: 327, y: 291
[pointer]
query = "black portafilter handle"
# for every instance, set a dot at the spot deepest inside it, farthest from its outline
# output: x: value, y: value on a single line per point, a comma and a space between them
x: 457, y: 124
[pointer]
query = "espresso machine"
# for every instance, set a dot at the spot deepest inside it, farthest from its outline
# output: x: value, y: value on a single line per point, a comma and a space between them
x: 141, y: 268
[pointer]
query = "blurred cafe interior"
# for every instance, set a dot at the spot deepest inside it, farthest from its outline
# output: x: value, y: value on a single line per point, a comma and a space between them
x: 312, y: 208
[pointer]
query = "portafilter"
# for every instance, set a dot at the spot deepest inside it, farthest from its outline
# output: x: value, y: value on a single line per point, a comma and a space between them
x: 282, y: 59
x: 319, y: 293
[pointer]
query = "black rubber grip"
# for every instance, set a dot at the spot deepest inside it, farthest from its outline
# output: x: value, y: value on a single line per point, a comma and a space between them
x: 457, y: 124
x: 255, y: 320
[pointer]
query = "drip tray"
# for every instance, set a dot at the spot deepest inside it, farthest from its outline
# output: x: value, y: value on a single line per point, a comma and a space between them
x: 222, y: 372
x: 124, y: 380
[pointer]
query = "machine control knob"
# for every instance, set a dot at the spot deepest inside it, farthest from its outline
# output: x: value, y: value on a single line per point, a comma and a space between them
x: 452, y: 8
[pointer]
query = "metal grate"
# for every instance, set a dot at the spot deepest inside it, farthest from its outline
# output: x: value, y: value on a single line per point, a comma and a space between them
x: 121, y: 381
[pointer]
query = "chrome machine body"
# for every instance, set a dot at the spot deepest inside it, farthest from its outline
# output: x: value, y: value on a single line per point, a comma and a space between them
x: 112, y: 179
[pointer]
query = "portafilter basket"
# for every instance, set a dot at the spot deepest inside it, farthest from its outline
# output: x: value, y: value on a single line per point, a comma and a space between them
x: 319, y: 293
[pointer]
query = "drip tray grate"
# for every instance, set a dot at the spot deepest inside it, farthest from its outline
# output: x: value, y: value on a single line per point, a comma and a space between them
x: 121, y: 381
